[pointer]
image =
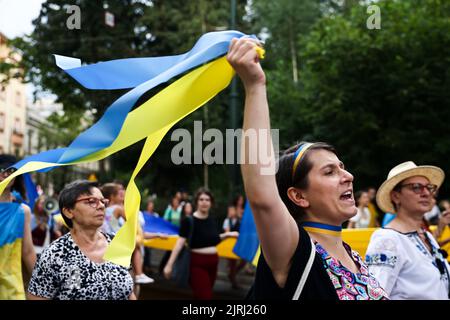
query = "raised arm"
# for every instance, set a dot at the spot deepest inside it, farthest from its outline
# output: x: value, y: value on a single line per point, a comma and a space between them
x: 277, y: 230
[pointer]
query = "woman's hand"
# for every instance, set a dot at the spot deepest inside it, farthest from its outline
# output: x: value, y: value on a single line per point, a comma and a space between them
x: 244, y: 58
x: 232, y: 234
x: 167, y: 271
x: 42, y: 226
x: 153, y: 235
x: 229, y: 234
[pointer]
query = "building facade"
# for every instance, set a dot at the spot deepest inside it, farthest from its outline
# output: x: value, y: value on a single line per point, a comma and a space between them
x: 36, y: 142
x: 13, y: 107
x: 21, y: 126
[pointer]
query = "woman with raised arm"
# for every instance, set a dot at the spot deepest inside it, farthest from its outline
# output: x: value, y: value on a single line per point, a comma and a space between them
x: 299, y: 209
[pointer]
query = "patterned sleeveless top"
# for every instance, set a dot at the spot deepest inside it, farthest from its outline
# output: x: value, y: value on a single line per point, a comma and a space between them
x: 348, y: 285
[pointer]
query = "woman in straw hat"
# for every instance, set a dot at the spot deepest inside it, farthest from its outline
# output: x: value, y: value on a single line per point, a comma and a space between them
x: 403, y: 256
x: 299, y: 210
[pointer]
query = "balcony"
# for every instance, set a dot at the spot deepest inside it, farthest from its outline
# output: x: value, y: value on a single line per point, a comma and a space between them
x: 17, y: 138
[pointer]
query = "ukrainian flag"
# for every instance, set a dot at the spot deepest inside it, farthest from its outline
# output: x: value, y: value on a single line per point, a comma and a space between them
x: 204, y: 73
x: 12, y: 219
x: 247, y: 244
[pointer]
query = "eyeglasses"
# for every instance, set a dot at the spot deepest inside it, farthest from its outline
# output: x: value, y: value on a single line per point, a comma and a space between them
x: 418, y: 188
x: 94, y: 202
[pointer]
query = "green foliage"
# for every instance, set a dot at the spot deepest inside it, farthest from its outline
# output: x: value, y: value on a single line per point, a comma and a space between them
x: 63, y: 128
x: 142, y: 28
x: 380, y: 96
x: 285, y: 23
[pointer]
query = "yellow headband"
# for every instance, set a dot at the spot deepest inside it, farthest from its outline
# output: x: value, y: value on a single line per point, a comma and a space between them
x: 298, y: 156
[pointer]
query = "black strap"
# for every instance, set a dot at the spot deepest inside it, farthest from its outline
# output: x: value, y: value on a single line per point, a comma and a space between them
x: 440, y: 263
x: 191, y: 230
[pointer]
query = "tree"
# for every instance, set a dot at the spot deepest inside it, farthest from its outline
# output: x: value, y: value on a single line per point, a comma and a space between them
x: 381, y: 96
x: 282, y: 24
x: 142, y: 28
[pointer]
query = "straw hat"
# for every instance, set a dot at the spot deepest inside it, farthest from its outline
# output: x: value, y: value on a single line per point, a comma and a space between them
x: 401, y: 172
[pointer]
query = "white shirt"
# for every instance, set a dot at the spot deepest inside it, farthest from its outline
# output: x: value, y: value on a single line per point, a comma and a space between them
x: 404, y: 266
x: 362, y: 218
x: 433, y: 213
x: 111, y: 224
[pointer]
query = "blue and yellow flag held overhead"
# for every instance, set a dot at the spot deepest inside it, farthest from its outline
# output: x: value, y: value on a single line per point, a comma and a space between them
x: 118, y: 128
x: 12, y: 219
x: 247, y: 244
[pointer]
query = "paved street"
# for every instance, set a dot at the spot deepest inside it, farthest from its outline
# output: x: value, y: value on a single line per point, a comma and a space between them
x: 163, y: 289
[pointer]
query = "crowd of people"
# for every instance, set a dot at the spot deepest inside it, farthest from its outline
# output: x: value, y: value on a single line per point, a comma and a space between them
x: 299, y: 212
x: 64, y: 256
x: 304, y: 204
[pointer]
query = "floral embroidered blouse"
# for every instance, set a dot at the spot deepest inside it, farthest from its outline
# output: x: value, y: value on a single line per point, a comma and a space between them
x: 348, y: 285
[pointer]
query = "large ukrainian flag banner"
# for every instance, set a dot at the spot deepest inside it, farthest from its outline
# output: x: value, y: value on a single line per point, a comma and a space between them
x: 118, y: 128
x: 247, y: 244
x: 12, y: 218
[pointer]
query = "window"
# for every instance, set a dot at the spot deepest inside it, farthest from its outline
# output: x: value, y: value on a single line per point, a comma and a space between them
x: 18, y: 98
x: 17, y: 126
x: 2, y: 121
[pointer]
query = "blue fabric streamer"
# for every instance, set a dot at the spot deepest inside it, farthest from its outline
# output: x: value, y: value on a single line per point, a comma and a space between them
x: 247, y: 243
x: 31, y: 190
x: 159, y: 225
x: 127, y: 73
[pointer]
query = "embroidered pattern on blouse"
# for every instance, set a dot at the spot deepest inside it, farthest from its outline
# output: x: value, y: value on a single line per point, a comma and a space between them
x: 435, y: 255
x: 381, y: 259
x: 350, y: 286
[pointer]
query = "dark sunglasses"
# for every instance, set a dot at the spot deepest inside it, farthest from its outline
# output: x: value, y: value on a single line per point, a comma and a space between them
x: 418, y: 188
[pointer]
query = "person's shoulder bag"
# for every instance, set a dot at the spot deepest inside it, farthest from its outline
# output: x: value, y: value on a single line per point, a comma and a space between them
x: 181, y: 270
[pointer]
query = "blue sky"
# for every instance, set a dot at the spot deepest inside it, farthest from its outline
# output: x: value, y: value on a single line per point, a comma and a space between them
x: 15, y: 20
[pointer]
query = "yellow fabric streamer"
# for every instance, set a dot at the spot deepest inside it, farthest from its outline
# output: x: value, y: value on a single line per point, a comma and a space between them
x: 123, y: 244
x: 152, y: 120
x: 165, y: 108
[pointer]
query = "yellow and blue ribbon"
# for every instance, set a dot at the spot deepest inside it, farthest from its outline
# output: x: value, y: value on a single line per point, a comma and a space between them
x: 322, y: 228
x: 119, y: 128
x: 298, y: 155
x: 141, y: 74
